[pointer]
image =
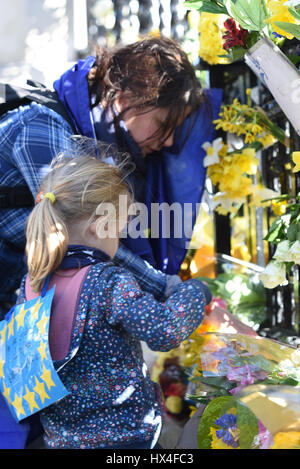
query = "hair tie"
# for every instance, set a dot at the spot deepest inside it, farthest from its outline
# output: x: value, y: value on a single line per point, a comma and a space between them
x: 48, y: 195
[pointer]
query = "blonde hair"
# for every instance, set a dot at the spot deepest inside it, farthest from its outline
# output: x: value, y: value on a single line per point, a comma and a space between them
x: 79, y: 185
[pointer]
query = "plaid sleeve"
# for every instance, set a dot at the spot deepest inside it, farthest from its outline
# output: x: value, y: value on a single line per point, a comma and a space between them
x: 42, y: 135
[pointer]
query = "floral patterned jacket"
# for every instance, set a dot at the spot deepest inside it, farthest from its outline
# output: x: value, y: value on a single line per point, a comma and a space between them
x: 112, y: 400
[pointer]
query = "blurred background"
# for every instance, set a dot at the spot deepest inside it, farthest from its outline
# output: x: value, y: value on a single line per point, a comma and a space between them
x: 39, y: 38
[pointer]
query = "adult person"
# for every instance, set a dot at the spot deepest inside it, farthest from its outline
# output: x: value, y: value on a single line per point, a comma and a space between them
x: 145, y: 98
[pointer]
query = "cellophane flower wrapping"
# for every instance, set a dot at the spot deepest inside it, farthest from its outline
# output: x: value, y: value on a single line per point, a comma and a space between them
x: 238, y: 377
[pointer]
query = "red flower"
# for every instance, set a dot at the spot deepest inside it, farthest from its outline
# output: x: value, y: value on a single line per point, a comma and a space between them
x: 234, y: 36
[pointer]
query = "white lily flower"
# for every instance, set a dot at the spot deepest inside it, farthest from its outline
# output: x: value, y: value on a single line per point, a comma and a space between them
x: 274, y: 274
x: 283, y: 252
x: 295, y: 252
x: 212, y: 150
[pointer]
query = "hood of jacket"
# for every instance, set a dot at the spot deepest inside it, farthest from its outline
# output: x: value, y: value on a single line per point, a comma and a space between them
x: 72, y: 89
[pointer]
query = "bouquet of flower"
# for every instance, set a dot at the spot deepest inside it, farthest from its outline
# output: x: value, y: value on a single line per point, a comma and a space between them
x: 250, y: 123
x: 231, y: 173
x: 248, y: 20
x: 228, y: 367
x: 285, y: 234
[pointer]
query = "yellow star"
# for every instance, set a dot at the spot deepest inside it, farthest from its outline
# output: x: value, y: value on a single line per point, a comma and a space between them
x: 40, y: 390
x: 42, y: 324
x: 3, y: 333
x: 11, y: 326
x: 18, y: 405
x: 29, y: 397
x: 46, y: 376
x: 35, y: 310
x: 42, y: 350
x: 20, y: 317
x: 1, y: 368
x: 6, y: 393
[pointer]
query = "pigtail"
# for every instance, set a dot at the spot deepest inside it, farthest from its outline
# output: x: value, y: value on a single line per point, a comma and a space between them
x: 47, y: 241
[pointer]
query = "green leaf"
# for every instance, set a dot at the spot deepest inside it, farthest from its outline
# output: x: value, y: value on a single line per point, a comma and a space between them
x: 250, y: 14
x: 290, y: 28
x: 247, y: 425
x: 206, y: 6
x: 292, y: 232
x: 275, y: 230
x: 289, y: 265
x: 236, y: 53
x: 216, y: 382
x: 295, y: 12
x: 295, y: 59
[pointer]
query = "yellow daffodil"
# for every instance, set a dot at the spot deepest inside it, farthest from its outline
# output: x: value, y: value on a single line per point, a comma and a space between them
x: 247, y: 161
x: 256, y: 129
x: 244, y: 120
x: 266, y: 140
x: 279, y: 208
x: 249, y: 138
x: 280, y: 12
x: 296, y: 160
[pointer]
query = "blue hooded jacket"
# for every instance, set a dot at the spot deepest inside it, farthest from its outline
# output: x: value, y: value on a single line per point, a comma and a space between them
x: 174, y: 175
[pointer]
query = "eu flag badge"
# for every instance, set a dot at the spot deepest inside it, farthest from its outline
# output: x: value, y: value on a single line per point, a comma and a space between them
x: 28, y: 379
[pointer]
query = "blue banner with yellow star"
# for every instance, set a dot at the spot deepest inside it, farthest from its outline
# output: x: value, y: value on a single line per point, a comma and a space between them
x: 28, y: 379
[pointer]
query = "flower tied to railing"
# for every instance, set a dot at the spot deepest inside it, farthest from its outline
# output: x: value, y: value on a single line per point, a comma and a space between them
x: 231, y: 171
x: 258, y: 17
x: 285, y: 234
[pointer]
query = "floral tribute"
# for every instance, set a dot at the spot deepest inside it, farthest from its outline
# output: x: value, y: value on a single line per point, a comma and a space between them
x: 284, y: 233
x: 248, y: 20
x: 228, y: 369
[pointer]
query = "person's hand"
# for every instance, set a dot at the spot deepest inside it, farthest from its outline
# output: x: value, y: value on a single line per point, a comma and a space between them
x: 223, y: 321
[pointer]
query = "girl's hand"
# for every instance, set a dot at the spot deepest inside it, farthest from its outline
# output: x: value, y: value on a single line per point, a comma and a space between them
x: 223, y: 321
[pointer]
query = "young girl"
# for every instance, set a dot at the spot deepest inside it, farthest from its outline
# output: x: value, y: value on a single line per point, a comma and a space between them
x: 94, y: 336
x: 95, y: 344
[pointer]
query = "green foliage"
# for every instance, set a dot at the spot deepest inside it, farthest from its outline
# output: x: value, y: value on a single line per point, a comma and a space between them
x: 287, y: 226
x: 244, y: 295
x: 290, y: 28
x: 247, y: 424
x: 250, y: 14
x: 207, y: 6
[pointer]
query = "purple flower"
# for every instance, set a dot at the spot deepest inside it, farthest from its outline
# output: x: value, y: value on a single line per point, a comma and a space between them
x: 228, y: 431
x: 245, y: 375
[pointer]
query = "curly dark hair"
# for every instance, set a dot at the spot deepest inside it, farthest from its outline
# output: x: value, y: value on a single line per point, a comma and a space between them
x: 151, y: 73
